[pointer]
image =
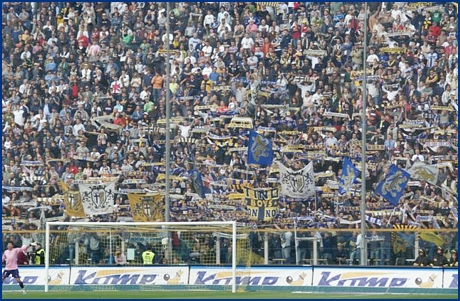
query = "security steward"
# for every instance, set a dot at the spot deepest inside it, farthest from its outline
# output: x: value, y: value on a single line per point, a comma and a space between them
x: 439, y: 260
x: 422, y: 260
x: 148, y: 257
x: 39, y: 255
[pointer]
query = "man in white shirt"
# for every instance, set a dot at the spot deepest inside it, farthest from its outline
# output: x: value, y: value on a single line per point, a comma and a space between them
x: 193, y: 41
x: 371, y: 57
x: 77, y: 127
x: 247, y: 42
x: 185, y: 129
x: 396, y: 12
x: 190, y: 59
x: 283, y: 10
x: 263, y: 25
x: 417, y: 156
x: 25, y: 87
x: 5, y: 200
x: 208, y: 19
x: 431, y: 57
x: 316, y: 98
x: 124, y: 79
x: 223, y: 16
x: 391, y: 94
x: 85, y: 73
x: 206, y: 71
x: 252, y: 61
x: 330, y: 140
x: 145, y: 94
x: 19, y: 115
x: 240, y: 93
x: 207, y: 49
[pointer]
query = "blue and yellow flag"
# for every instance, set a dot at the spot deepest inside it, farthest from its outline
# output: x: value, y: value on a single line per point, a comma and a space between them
x: 349, y: 176
x: 392, y: 188
x: 260, y: 150
x: 262, y: 204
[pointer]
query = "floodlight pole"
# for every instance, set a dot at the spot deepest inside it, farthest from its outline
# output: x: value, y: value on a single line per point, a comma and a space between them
x: 168, y: 133
x: 363, y: 261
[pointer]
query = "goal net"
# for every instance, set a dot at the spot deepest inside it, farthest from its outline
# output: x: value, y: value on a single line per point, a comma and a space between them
x: 115, y: 256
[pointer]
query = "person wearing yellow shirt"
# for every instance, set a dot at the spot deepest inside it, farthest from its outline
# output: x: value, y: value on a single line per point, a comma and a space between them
x: 39, y: 255
x: 148, y: 257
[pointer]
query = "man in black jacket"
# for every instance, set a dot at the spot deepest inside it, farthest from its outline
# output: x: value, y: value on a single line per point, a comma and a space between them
x: 422, y: 260
x: 439, y: 260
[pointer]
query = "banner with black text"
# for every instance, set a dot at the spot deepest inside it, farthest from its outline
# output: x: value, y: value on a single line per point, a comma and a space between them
x: 262, y: 204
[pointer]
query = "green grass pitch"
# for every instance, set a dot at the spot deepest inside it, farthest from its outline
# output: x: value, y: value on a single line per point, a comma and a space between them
x: 211, y: 295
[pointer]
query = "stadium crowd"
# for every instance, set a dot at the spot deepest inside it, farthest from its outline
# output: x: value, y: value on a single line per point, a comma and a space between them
x: 84, y: 95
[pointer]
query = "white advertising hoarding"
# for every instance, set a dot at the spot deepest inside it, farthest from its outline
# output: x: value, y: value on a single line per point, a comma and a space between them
x: 451, y: 278
x: 153, y: 275
x: 36, y: 276
x: 379, y: 277
x: 253, y: 276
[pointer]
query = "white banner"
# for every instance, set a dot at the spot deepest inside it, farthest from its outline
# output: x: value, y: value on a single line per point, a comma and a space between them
x: 413, y: 278
x: 255, y: 276
x: 451, y: 278
x: 409, y: 277
x: 98, y: 199
x: 299, y: 183
x: 36, y: 276
x: 422, y: 171
x: 129, y: 275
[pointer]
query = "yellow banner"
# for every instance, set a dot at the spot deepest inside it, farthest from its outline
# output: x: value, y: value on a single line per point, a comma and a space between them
x: 73, y: 205
x: 162, y: 176
x: 72, y: 201
x: 431, y: 237
x: 235, y: 196
x: 262, y: 204
x: 146, y: 207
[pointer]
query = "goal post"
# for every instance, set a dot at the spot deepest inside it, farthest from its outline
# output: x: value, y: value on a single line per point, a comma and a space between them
x: 202, y: 246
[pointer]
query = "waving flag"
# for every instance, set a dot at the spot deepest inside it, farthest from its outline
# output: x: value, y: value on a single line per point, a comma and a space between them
x: 98, y: 199
x: 260, y: 149
x: 299, y: 183
x: 197, y: 182
x: 424, y: 172
x: 349, y: 175
x: 72, y: 201
x: 392, y: 188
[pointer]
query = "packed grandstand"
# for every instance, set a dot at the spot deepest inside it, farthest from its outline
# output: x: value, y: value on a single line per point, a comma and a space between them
x: 84, y: 94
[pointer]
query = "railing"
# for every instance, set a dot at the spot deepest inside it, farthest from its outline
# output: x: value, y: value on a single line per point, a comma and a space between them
x: 386, y: 247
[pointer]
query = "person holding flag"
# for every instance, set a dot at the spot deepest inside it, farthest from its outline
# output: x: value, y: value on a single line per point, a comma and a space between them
x: 11, y: 257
